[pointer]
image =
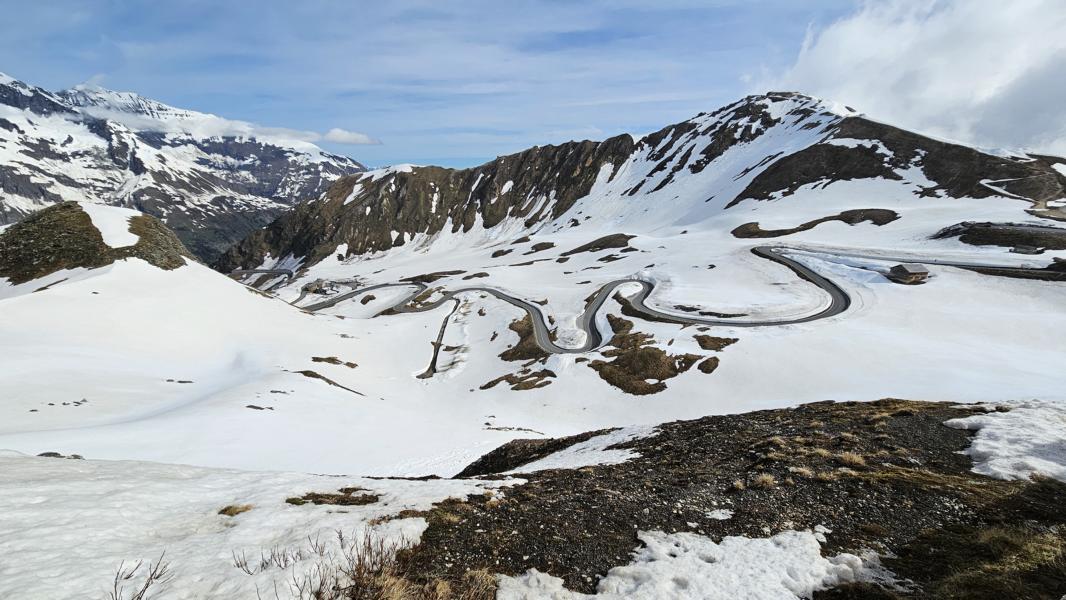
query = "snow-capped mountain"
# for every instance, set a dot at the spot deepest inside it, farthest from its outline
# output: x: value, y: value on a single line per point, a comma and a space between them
x: 617, y: 314
x: 716, y: 165
x: 212, y: 180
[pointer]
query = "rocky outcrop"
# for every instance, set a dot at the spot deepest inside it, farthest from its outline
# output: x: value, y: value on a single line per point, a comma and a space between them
x: 886, y: 476
x: 63, y: 236
x: 957, y: 171
x: 379, y: 210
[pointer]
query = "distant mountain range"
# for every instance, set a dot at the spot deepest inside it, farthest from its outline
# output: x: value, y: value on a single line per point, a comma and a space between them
x: 211, y: 180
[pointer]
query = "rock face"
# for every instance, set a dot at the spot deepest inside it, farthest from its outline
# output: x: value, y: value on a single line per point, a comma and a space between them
x: 63, y: 236
x: 209, y: 179
x: 757, y: 149
x: 381, y: 209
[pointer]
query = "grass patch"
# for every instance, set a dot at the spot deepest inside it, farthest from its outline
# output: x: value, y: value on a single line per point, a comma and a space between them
x: 637, y: 367
x: 709, y: 342
x: 234, y: 509
x: 345, y: 497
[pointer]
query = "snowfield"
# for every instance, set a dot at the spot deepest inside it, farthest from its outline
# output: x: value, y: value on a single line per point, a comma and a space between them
x: 68, y: 524
x: 113, y: 223
x: 188, y: 391
x: 1028, y: 439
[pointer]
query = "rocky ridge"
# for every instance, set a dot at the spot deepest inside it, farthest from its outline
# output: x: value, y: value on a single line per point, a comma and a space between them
x: 817, y: 143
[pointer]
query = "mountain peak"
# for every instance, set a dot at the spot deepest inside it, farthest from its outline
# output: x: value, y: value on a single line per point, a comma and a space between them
x: 94, y: 98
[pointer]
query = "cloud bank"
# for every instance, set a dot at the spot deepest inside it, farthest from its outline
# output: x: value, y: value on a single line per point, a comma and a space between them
x: 343, y: 136
x: 984, y: 72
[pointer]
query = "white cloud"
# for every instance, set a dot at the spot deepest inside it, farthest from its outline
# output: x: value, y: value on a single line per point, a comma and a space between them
x: 986, y: 72
x: 343, y: 136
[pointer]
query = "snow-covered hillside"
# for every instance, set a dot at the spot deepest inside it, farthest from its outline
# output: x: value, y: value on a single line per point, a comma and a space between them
x: 210, y: 179
x: 270, y: 386
x: 411, y: 320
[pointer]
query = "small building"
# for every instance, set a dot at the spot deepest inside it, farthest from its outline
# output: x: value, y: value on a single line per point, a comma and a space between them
x: 908, y: 273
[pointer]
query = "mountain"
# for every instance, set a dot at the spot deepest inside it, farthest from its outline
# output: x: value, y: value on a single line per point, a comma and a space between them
x: 758, y: 149
x: 779, y: 340
x: 210, y: 179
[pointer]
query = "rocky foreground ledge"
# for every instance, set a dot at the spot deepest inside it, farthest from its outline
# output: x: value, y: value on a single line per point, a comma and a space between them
x: 887, y: 481
x: 887, y: 499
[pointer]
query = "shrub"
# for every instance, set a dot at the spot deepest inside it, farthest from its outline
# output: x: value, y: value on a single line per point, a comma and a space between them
x: 852, y: 459
x: 156, y: 576
x: 764, y: 480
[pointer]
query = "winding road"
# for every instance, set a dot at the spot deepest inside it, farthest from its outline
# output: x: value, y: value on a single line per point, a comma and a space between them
x: 839, y: 301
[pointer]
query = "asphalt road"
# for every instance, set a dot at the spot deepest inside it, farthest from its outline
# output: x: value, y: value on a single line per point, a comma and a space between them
x: 839, y: 301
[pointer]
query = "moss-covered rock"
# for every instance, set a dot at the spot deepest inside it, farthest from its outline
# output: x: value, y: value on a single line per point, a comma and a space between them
x: 64, y: 237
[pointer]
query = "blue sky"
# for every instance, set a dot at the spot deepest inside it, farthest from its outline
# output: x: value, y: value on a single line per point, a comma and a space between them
x: 453, y: 83
x: 458, y: 83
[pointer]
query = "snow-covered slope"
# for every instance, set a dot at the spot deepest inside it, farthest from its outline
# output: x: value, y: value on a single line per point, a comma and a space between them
x: 114, y: 345
x: 332, y: 389
x: 210, y: 179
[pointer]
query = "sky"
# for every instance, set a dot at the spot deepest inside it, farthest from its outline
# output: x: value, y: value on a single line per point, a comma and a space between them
x: 459, y: 83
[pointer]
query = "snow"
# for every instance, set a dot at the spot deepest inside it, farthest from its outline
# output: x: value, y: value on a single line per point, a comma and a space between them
x: 376, y: 174
x: 593, y: 451
x: 143, y: 114
x: 1028, y: 439
x: 115, y: 348
x: 356, y: 190
x: 683, y: 565
x: 1060, y: 167
x: 721, y: 514
x: 90, y: 174
x: 113, y: 223
x: 134, y: 510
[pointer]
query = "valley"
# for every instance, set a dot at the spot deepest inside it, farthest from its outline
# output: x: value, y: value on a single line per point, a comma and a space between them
x: 575, y: 371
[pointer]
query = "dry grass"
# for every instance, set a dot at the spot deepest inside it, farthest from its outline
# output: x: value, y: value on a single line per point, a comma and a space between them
x: 358, y: 568
x: 234, y: 509
x: 851, y: 459
x: 739, y: 485
x: 764, y: 480
x: 801, y: 471
x: 821, y: 452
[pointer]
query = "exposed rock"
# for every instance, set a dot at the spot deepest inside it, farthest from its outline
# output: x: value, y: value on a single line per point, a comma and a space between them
x: 635, y: 362
x: 1006, y: 235
x: 956, y: 170
x: 877, y: 216
x: 363, y: 211
x: 64, y: 237
x: 615, y: 240
x: 516, y: 453
x: 913, y: 499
